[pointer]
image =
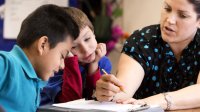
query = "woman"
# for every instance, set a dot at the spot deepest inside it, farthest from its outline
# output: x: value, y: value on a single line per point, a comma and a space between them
x: 160, y: 64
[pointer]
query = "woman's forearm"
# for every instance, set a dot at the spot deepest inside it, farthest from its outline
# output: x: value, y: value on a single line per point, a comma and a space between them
x: 185, y: 98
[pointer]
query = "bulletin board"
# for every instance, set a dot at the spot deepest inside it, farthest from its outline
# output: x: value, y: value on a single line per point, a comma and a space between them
x: 14, y: 12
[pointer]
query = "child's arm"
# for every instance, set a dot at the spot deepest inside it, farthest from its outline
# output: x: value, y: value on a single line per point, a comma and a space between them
x: 100, y: 52
x: 91, y: 80
x: 50, y: 91
x: 94, y: 72
x: 72, y: 81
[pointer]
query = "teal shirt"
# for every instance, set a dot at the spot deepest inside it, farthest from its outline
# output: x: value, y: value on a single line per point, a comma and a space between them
x: 19, y: 83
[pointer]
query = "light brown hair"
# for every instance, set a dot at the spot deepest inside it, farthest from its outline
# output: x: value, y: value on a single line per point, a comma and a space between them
x: 79, y: 17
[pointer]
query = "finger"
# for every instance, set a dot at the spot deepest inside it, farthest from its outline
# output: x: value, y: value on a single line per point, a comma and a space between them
x: 101, y: 96
x: 119, y: 101
x: 104, y: 50
x: 129, y: 101
x: 104, y: 98
x: 107, y: 85
x: 106, y: 92
x: 70, y: 54
x: 98, y: 51
x: 111, y: 78
x: 140, y: 102
x: 101, y: 46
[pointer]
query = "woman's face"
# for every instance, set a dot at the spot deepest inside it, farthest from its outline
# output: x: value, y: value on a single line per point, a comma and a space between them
x: 85, y: 45
x: 179, y: 21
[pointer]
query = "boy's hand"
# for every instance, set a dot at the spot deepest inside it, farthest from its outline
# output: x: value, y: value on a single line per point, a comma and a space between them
x: 70, y: 54
x: 100, y: 51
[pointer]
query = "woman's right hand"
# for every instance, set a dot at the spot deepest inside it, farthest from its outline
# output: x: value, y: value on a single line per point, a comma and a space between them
x: 107, y: 87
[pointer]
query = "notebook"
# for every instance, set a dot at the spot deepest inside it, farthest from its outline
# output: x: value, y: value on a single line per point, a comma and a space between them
x: 96, y: 105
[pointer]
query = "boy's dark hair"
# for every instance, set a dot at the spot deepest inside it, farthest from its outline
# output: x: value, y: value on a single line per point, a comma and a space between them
x: 48, y: 20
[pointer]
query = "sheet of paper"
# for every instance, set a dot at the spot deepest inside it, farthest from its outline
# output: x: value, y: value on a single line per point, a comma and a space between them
x: 91, y: 104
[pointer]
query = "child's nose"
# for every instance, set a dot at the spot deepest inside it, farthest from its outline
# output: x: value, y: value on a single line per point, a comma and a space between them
x: 84, y: 49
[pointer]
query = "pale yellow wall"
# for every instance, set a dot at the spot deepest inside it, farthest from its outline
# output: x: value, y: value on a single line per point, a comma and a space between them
x: 136, y: 14
x: 140, y: 13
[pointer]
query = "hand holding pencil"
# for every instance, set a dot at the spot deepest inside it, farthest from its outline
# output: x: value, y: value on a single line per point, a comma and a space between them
x: 107, y: 87
x: 121, y: 88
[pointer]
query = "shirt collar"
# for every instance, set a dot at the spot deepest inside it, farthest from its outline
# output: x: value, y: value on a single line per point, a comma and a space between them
x: 21, y: 57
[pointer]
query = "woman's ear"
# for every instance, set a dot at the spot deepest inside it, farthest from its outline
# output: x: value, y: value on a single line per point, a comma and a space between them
x: 43, y: 45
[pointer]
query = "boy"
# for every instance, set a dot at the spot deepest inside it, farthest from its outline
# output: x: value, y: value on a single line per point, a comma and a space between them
x: 82, y: 68
x: 42, y: 44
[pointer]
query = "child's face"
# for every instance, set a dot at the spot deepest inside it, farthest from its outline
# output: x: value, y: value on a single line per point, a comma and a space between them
x: 85, y: 45
x: 53, y: 59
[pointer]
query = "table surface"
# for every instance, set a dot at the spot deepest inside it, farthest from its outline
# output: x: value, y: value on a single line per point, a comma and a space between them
x: 72, y: 110
x: 188, y: 110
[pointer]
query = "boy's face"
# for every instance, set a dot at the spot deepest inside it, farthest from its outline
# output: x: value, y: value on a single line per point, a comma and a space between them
x: 85, y: 45
x: 51, y: 60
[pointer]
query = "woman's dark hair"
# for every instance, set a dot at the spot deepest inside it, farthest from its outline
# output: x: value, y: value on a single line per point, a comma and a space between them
x: 48, y: 20
x: 196, y: 4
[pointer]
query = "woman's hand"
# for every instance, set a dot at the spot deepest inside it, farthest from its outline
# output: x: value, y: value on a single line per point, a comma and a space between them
x: 107, y: 87
x: 132, y: 101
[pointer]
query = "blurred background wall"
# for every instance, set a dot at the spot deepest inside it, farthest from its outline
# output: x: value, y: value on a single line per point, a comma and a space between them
x: 126, y: 16
x: 140, y: 13
x: 136, y: 14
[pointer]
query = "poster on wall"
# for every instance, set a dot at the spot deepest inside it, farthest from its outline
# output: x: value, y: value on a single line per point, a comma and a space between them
x: 17, y: 10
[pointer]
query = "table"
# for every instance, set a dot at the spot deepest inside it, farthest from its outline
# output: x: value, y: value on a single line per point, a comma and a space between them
x: 188, y: 110
x: 49, y: 108
x: 55, y: 109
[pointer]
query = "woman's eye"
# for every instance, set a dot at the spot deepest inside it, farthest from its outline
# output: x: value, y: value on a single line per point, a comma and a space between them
x: 183, y: 16
x: 167, y: 9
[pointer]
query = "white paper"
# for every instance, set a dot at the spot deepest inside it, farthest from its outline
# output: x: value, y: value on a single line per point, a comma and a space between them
x: 17, y: 10
x: 91, y: 104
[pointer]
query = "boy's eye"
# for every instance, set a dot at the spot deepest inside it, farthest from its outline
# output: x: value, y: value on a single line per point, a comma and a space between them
x: 62, y: 56
x: 74, y: 47
x: 87, y: 39
x: 67, y: 54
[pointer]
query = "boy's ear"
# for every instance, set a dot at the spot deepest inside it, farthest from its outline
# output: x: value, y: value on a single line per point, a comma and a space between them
x: 199, y: 23
x: 43, y: 45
